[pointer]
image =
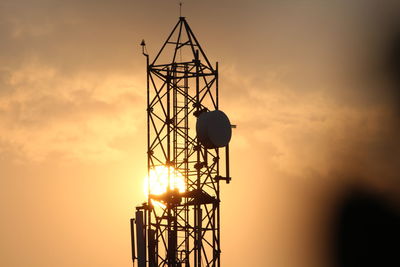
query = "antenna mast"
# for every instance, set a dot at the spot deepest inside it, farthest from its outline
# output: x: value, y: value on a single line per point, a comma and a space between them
x: 188, y: 135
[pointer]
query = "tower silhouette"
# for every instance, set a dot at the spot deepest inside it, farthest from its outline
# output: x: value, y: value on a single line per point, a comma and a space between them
x: 188, y: 135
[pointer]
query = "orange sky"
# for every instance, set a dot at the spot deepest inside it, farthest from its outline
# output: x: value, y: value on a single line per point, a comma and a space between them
x: 305, y: 81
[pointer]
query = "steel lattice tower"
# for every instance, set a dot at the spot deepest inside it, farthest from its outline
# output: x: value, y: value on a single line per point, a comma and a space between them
x: 185, y: 229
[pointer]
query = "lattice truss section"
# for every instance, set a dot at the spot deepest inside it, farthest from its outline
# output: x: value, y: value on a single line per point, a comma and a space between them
x: 184, y: 230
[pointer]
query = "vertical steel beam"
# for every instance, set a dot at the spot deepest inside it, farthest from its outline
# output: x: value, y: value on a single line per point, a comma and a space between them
x: 198, y: 215
x: 152, y: 248
x: 133, y: 240
x: 141, y: 241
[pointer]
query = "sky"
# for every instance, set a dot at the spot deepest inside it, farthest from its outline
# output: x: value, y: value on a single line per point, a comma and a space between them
x: 312, y: 85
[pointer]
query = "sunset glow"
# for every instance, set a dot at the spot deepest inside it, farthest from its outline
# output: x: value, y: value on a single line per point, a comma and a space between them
x: 158, y: 181
x: 313, y: 87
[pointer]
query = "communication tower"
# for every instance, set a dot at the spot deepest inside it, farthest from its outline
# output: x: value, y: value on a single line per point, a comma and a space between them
x: 188, y: 135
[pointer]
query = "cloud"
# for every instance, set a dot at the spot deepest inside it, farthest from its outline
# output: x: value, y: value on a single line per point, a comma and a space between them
x: 67, y: 84
x: 79, y: 116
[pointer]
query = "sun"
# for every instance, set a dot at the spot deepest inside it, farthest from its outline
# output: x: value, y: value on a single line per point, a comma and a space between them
x: 157, y: 181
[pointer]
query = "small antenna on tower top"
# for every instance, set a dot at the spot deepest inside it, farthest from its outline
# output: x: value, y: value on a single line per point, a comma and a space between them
x: 180, y: 9
x: 143, y: 45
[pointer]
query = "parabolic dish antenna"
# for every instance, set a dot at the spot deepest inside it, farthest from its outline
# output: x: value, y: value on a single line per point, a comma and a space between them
x: 213, y: 129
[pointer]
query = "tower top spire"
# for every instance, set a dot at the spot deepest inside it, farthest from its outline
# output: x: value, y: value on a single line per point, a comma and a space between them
x: 180, y: 9
x: 181, y: 40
